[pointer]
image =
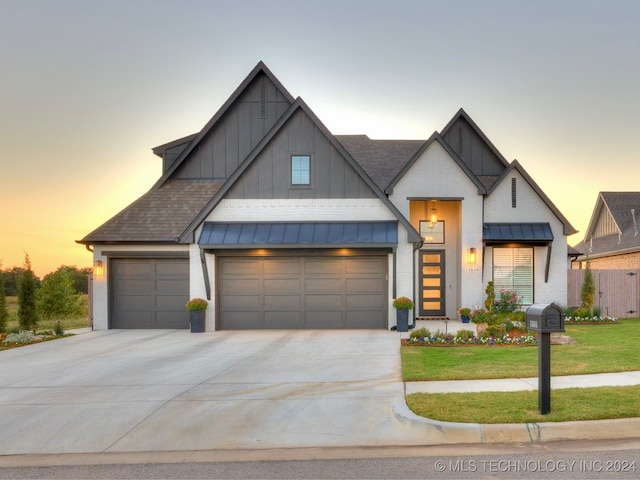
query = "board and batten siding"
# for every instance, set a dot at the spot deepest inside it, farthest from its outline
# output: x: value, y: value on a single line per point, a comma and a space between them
x: 237, y: 132
x: 269, y: 176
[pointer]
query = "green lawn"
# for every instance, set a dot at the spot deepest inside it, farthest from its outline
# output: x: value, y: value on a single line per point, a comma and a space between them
x: 569, y: 404
x: 600, y: 349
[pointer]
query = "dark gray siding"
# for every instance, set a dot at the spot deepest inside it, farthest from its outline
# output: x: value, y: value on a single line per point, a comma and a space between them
x: 269, y: 175
x: 237, y: 133
x: 472, y: 149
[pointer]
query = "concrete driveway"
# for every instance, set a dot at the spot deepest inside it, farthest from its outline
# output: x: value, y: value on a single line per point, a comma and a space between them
x: 163, y: 390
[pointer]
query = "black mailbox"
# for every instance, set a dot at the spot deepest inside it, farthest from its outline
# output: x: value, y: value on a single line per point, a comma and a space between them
x: 545, y: 317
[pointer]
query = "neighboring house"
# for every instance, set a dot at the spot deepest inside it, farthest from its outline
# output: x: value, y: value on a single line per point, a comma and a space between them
x: 612, y: 240
x: 281, y: 224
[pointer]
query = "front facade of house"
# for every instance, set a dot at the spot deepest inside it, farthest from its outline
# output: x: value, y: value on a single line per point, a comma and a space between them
x: 612, y: 239
x: 280, y: 224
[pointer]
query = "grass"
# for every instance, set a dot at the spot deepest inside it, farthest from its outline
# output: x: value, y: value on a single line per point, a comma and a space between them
x: 599, y: 349
x: 67, y: 323
x: 570, y: 404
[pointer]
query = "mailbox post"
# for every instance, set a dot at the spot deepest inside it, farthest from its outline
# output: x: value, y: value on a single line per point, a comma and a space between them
x: 544, y: 319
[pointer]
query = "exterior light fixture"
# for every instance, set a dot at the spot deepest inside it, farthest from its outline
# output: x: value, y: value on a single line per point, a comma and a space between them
x: 98, y: 268
x: 472, y: 255
x: 433, y: 217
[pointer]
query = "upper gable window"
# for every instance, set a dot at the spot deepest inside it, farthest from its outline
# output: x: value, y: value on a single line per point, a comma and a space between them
x: 300, y: 170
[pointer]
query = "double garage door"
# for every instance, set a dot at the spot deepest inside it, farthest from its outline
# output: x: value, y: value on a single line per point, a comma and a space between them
x: 149, y: 292
x: 302, y: 292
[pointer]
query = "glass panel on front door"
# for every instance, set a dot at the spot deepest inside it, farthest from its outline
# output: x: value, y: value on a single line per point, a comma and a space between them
x: 432, y: 283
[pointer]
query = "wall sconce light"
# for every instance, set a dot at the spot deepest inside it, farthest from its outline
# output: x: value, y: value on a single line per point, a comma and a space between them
x: 98, y: 268
x: 472, y: 255
x: 433, y: 216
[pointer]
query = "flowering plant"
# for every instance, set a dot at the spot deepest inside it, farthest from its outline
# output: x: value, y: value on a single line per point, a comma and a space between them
x: 508, y: 301
x: 464, y: 312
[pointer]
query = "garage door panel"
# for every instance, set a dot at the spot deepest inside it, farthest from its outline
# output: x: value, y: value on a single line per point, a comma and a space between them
x: 247, y: 285
x: 241, y: 267
x: 365, y: 302
x: 149, y: 293
x: 327, y: 266
x: 283, y: 320
x: 327, y: 301
x: 282, y: 267
x: 132, y: 286
x: 282, y: 301
x: 365, y: 285
x: 173, y: 302
x: 302, y: 292
x: 176, y: 270
x: 234, y: 302
x: 132, y: 268
x: 321, y: 285
x: 135, y: 301
x: 282, y: 285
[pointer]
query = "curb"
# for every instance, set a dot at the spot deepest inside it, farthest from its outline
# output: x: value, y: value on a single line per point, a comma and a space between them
x: 438, y: 432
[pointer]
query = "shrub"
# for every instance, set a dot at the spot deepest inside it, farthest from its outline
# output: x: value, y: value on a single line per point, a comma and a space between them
x: 420, y: 333
x: 196, y: 304
x: 57, y: 296
x: 21, y: 337
x: 465, y: 335
x: 588, y: 291
x: 27, y: 298
x: 495, y: 331
x: 4, y: 313
x: 402, y: 303
x: 491, y: 296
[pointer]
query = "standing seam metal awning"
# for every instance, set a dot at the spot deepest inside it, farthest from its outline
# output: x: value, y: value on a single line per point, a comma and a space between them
x: 517, y: 232
x: 299, y: 234
x: 535, y: 234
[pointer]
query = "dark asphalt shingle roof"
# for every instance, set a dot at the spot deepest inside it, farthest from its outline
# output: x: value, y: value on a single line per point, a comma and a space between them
x: 619, y: 204
x: 160, y: 215
x: 380, y: 159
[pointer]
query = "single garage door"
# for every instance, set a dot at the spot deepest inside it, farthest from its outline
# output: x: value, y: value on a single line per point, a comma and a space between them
x: 149, y: 293
x: 302, y: 292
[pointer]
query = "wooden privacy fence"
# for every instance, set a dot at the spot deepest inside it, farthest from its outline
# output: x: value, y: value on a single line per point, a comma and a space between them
x: 617, y: 291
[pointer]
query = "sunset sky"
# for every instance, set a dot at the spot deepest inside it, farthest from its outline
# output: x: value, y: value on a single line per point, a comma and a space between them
x: 87, y: 88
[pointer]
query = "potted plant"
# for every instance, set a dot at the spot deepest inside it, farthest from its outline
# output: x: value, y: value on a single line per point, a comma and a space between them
x: 464, y: 314
x: 402, y: 306
x: 196, y: 308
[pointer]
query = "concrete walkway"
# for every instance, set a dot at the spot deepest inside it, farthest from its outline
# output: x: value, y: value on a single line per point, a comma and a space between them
x: 511, y: 385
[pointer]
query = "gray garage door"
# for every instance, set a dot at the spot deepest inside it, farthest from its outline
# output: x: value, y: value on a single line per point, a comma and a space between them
x: 302, y: 292
x: 149, y: 293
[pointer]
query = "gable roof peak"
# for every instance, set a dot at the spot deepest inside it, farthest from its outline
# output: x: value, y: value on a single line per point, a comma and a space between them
x: 260, y: 68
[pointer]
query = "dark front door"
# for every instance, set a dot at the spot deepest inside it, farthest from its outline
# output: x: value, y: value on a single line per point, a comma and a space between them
x: 432, y: 283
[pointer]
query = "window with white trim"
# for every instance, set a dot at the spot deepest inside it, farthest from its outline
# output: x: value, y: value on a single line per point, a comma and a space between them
x: 513, y: 270
x: 300, y: 170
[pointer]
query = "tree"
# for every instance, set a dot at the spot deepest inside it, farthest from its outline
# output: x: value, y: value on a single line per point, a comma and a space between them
x: 57, y: 297
x: 4, y: 313
x: 27, y: 313
x: 588, y: 292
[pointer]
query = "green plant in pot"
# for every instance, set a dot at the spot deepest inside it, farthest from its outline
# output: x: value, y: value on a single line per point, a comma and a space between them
x: 464, y: 314
x: 196, y: 308
x: 402, y: 306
